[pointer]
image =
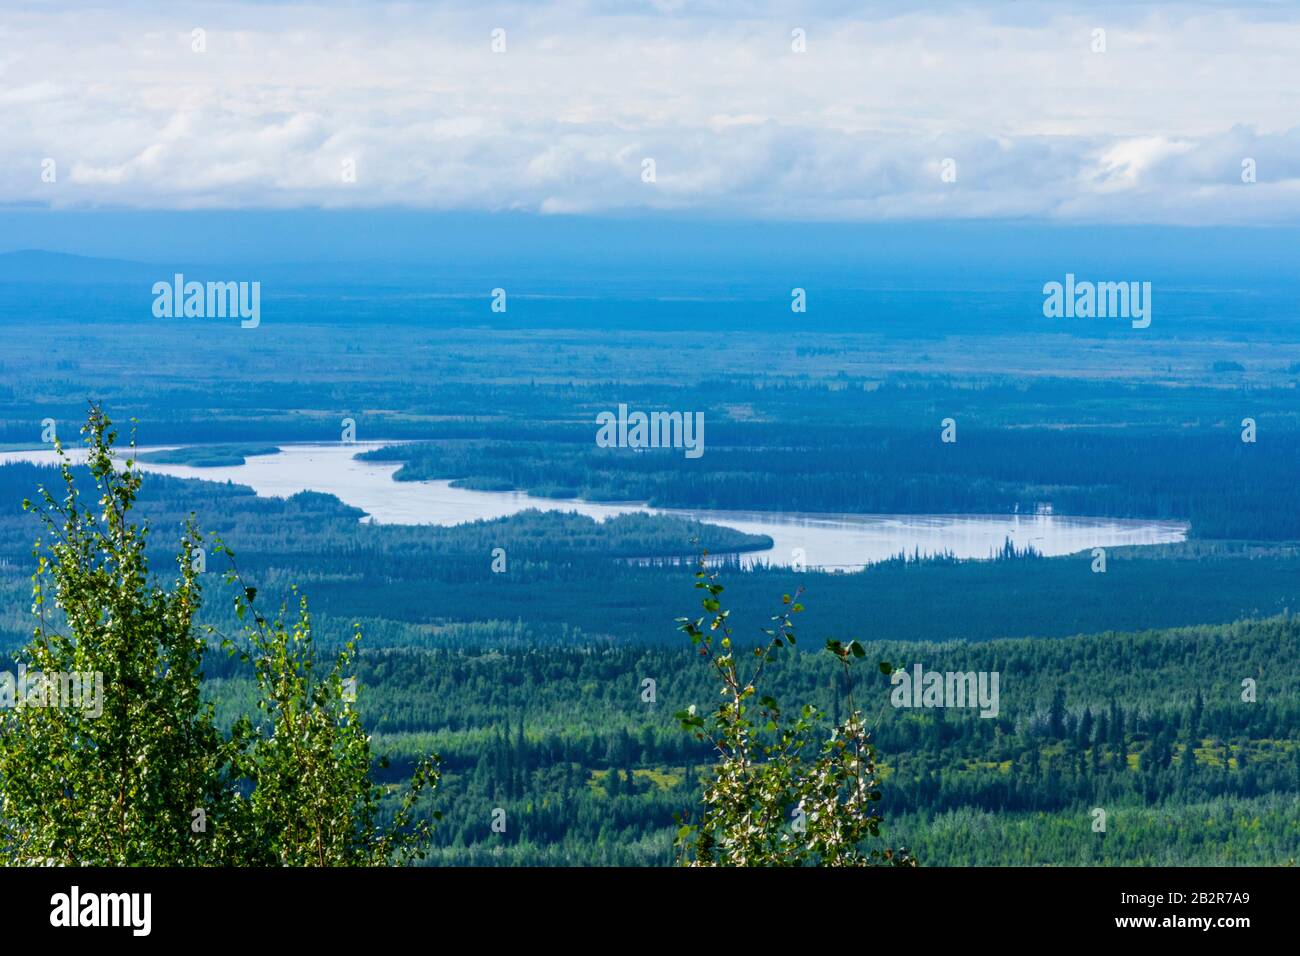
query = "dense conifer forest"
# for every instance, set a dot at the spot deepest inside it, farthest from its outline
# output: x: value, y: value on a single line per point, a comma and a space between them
x: 1120, y: 692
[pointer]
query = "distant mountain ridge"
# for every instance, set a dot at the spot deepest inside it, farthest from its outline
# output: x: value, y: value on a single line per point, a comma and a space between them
x: 39, y: 265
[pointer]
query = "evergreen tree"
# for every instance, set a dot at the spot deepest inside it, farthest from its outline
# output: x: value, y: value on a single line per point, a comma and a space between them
x: 1085, y: 729
x: 1056, y: 715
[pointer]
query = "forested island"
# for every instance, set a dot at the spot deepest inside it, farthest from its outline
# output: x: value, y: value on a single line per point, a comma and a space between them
x: 207, y: 456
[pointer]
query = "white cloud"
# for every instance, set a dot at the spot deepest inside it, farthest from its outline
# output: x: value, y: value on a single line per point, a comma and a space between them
x: 1154, y: 129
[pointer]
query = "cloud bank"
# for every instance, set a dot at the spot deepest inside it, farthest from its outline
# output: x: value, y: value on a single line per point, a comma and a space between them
x: 941, y: 111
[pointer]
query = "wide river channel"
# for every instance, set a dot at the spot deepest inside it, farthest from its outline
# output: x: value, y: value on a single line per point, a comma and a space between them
x: 831, y: 541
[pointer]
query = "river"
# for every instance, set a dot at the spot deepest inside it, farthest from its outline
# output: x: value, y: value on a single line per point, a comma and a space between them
x: 831, y: 541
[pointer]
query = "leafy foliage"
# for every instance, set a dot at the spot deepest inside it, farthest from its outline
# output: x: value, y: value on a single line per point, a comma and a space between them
x: 769, y: 766
x: 312, y: 802
x: 149, y: 779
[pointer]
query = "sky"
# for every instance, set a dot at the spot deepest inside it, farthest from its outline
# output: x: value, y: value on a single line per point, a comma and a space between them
x: 406, y: 106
